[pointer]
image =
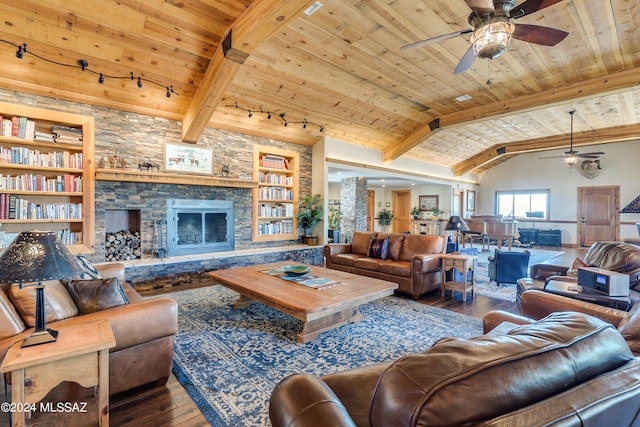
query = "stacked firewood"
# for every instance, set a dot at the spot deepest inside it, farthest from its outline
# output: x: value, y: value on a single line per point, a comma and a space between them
x: 122, y: 245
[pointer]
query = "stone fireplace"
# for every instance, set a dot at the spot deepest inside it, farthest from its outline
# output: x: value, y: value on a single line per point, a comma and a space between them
x: 199, y: 226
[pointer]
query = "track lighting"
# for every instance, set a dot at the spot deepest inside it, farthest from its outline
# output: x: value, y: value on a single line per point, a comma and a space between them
x: 282, y: 117
x: 84, y: 66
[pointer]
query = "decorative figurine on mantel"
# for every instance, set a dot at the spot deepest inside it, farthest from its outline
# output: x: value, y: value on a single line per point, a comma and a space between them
x: 225, y: 171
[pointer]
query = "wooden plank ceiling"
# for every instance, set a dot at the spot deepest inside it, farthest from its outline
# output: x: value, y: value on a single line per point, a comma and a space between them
x: 341, y: 68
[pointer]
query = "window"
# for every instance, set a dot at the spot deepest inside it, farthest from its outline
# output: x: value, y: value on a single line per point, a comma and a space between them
x: 523, y: 204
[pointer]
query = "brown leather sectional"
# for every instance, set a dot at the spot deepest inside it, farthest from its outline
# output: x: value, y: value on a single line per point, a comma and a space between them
x: 568, y: 369
x: 144, y: 331
x: 413, y: 260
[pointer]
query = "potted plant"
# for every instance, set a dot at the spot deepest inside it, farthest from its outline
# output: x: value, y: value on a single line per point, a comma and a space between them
x: 384, y: 217
x: 416, y: 213
x: 310, y: 211
x: 334, y: 225
x: 435, y: 212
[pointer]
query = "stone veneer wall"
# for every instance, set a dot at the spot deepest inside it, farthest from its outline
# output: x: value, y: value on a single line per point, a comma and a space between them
x: 138, y: 138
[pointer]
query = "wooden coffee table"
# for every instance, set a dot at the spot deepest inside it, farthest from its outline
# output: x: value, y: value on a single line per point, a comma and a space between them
x: 320, y: 309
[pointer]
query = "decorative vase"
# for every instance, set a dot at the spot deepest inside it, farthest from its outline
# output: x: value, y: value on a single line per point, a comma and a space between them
x: 311, y: 240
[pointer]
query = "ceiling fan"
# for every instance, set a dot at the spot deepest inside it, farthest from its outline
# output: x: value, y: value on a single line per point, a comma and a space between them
x: 571, y: 157
x: 492, y: 29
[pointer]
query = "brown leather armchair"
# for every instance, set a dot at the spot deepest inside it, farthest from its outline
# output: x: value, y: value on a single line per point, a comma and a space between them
x: 614, y: 256
x: 567, y: 369
x: 144, y: 331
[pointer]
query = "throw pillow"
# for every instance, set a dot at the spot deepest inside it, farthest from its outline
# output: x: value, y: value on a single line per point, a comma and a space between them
x: 58, y: 304
x: 573, y: 270
x: 379, y: 248
x: 97, y: 294
x: 88, y: 270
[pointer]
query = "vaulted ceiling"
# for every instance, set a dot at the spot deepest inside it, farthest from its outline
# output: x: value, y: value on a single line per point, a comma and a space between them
x: 340, y: 67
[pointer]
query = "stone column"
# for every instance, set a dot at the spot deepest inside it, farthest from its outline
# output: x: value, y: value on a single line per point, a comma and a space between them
x: 353, y: 204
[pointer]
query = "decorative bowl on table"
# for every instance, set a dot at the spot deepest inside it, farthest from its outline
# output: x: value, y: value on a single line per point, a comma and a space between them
x: 296, y: 270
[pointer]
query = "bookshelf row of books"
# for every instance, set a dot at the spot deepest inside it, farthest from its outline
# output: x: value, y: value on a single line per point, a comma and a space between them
x: 17, y: 127
x: 275, y: 227
x: 66, y: 236
x: 272, y: 161
x: 25, y: 128
x: 30, y: 182
x: 277, y: 210
x: 27, y: 157
x: 275, y: 178
x: 14, y: 207
x: 275, y: 193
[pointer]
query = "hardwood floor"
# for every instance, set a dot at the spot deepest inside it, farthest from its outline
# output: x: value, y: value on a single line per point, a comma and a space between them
x: 170, y: 405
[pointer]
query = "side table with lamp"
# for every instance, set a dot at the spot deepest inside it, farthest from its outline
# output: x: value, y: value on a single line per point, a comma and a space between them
x: 79, y: 353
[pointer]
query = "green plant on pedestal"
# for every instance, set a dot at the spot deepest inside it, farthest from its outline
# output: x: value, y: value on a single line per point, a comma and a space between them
x: 310, y: 211
x: 384, y: 217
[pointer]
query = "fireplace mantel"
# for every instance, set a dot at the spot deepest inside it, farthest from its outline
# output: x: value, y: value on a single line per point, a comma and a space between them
x: 131, y: 175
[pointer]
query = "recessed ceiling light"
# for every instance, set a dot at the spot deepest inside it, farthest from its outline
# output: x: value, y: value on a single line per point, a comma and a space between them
x: 313, y: 8
x: 463, y: 98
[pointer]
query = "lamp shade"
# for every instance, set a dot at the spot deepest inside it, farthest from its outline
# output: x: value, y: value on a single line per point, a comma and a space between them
x: 456, y: 224
x: 34, y: 256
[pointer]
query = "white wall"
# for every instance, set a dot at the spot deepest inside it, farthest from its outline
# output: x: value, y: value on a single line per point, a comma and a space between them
x: 620, y: 166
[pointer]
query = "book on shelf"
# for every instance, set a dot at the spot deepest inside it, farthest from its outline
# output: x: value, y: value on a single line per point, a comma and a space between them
x: 15, y: 126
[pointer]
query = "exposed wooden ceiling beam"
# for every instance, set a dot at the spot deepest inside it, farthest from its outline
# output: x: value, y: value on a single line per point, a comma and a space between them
x: 589, y: 88
x: 599, y: 136
x: 253, y: 27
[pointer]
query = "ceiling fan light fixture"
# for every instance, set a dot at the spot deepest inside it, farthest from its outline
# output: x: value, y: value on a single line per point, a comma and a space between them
x: 570, y: 160
x: 491, y: 40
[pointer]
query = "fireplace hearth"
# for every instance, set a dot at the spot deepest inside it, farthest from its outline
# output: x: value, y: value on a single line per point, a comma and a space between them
x: 199, y: 226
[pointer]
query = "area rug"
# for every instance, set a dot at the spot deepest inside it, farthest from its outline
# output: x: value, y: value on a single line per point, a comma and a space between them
x: 230, y: 360
x: 506, y: 291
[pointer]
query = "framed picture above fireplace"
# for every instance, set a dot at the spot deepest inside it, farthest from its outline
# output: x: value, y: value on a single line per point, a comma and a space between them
x: 188, y: 158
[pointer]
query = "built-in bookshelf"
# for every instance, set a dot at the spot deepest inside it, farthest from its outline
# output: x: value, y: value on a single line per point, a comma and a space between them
x: 47, y: 175
x: 275, y: 199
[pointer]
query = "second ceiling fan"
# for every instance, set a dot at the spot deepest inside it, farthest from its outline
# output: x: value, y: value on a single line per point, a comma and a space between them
x: 570, y: 158
x: 493, y: 30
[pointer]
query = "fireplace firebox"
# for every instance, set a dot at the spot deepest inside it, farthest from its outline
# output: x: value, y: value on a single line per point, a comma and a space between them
x: 199, y: 226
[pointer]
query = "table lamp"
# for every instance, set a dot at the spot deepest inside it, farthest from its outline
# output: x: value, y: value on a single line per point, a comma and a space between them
x: 34, y: 256
x: 456, y: 224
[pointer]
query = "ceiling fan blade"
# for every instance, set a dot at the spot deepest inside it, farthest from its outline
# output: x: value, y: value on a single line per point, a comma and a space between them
x: 466, y: 61
x: 530, y: 6
x: 481, y: 6
x: 551, y: 157
x: 594, y: 154
x: 537, y: 34
x: 437, y: 39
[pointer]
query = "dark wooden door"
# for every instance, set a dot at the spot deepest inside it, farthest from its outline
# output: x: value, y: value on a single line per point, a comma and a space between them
x: 598, y: 214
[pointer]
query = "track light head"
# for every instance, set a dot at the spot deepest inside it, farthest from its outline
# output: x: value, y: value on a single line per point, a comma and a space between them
x: 83, y: 64
x: 139, y: 82
x: 21, y: 50
x: 168, y: 92
x: 250, y: 114
x: 101, y: 79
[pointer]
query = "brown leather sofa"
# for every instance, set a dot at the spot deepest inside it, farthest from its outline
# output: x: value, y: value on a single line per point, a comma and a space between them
x: 614, y: 256
x: 538, y: 304
x: 144, y: 331
x: 413, y: 260
x: 568, y: 369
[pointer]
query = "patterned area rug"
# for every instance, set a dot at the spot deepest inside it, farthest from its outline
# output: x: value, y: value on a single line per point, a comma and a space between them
x: 506, y: 291
x: 230, y: 360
